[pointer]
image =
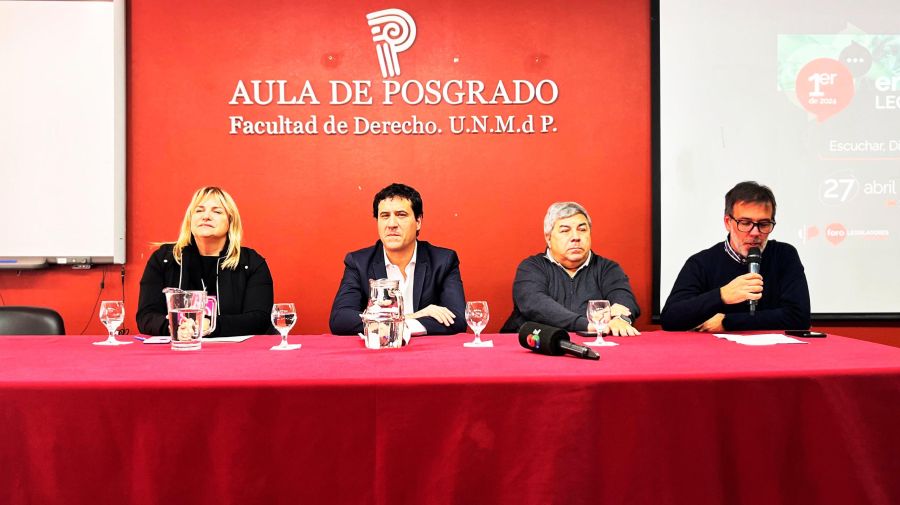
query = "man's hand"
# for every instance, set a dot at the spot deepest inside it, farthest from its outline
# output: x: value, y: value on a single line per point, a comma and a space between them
x: 620, y: 328
x: 618, y: 309
x: 712, y: 324
x: 206, y: 323
x: 742, y: 288
x: 441, y: 314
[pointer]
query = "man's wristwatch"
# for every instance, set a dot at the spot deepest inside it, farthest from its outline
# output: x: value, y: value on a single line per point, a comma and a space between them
x: 623, y: 318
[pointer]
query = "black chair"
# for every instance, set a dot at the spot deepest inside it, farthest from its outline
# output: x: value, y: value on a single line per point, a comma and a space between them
x: 30, y: 321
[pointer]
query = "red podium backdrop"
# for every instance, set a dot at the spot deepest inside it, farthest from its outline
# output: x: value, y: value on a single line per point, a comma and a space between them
x: 203, y: 74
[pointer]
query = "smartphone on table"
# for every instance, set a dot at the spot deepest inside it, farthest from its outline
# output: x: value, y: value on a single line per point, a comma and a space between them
x: 805, y: 333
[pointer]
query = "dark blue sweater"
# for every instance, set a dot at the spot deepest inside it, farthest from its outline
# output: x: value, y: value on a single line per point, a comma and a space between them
x: 544, y: 292
x: 695, y: 297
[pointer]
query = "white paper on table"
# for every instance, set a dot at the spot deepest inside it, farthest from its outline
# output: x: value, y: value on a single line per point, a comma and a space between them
x: 157, y: 340
x: 760, y: 339
x: 238, y: 338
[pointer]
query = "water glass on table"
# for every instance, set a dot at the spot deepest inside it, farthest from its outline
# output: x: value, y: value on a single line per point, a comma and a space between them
x: 598, y: 313
x: 112, y: 313
x: 477, y: 316
x: 284, y: 316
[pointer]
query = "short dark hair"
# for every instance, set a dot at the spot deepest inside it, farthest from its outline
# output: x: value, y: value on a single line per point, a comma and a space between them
x: 751, y: 192
x: 396, y: 190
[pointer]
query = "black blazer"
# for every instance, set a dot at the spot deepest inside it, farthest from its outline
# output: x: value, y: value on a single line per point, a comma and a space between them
x: 437, y: 282
x: 245, y: 293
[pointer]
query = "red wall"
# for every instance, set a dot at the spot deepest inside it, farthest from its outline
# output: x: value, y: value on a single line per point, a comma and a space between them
x: 306, y: 200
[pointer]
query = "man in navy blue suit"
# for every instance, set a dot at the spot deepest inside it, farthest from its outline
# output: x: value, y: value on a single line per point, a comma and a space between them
x: 429, y: 278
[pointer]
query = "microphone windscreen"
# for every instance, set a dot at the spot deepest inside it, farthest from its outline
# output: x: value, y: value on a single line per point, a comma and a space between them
x: 754, y: 258
x: 754, y: 255
x: 542, y: 338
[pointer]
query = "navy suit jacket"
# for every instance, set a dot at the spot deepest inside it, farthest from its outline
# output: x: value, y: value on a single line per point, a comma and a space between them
x: 437, y: 282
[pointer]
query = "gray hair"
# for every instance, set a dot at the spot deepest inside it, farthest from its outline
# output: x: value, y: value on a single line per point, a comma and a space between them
x: 562, y: 210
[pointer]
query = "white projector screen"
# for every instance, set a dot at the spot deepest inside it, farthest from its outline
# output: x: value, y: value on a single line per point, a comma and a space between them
x: 804, y: 98
x: 62, y: 133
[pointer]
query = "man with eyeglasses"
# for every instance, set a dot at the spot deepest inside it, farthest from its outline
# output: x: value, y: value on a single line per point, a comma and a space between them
x: 713, y: 288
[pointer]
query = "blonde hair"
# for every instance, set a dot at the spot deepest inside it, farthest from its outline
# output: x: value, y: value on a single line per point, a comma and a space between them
x: 235, y: 229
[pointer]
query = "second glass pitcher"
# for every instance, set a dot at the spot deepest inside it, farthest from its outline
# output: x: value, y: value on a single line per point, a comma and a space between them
x: 384, y: 323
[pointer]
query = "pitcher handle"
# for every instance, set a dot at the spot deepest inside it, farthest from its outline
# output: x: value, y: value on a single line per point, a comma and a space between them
x: 211, y: 311
x: 406, y: 333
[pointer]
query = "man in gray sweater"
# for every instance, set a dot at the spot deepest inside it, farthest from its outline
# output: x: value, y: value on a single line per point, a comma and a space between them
x: 554, y: 287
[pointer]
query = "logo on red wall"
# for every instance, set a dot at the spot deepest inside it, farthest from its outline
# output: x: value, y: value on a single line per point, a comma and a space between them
x: 393, y: 31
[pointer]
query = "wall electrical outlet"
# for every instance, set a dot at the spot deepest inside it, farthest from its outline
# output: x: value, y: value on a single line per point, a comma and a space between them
x: 79, y: 263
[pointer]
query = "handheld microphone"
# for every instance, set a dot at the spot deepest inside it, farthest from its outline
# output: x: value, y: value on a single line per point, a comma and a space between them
x: 754, y: 257
x: 552, y: 341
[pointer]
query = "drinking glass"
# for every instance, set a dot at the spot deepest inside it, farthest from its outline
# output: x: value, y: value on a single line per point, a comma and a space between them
x: 283, y: 318
x: 477, y: 316
x: 112, y: 313
x: 599, y: 314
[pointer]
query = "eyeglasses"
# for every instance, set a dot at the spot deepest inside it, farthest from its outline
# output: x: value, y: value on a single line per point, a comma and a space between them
x: 746, y: 225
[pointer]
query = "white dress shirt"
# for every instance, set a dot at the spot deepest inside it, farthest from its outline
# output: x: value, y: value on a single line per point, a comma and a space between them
x: 406, y: 288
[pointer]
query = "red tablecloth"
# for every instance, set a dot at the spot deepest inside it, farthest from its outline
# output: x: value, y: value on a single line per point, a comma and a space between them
x: 664, y: 418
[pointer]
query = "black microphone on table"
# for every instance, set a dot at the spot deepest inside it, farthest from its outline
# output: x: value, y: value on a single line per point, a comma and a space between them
x: 754, y: 257
x: 552, y: 341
